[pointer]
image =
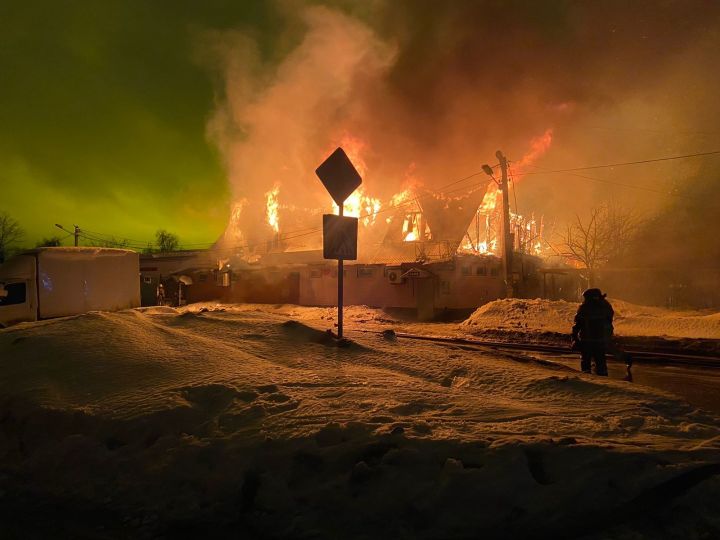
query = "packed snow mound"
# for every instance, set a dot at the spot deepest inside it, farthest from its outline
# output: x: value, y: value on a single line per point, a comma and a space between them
x: 352, y: 314
x: 557, y: 316
x: 219, y: 422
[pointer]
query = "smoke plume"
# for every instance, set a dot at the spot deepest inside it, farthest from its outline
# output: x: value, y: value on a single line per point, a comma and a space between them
x: 429, y: 91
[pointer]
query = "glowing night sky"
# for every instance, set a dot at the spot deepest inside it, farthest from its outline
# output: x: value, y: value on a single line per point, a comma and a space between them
x: 103, y: 112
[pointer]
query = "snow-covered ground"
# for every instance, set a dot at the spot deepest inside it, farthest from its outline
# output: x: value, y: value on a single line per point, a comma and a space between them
x: 557, y: 316
x: 248, y: 421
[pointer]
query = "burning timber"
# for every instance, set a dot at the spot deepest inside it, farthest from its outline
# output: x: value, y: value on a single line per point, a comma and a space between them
x: 429, y: 255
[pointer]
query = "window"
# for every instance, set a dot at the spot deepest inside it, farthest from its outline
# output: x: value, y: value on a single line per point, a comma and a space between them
x: 364, y: 272
x: 481, y: 271
x: 466, y: 270
x: 16, y: 294
x: 494, y: 271
x: 445, y: 287
x: 315, y: 273
x: 202, y: 278
x: 147, y: 279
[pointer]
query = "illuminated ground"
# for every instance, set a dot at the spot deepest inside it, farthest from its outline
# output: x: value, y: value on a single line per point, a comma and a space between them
x: 248, y: 421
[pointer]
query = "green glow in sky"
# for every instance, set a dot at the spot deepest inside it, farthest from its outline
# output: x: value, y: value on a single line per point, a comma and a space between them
x: 103, y: 113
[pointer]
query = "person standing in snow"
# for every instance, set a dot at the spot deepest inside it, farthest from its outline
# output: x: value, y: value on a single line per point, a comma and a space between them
x: 593, y: 330
x: 160, y: 293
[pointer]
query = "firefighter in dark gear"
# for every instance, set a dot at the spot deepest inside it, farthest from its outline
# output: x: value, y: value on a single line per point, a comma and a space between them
x: 593, y: 330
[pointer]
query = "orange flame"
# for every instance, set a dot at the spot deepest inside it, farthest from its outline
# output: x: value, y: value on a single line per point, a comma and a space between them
x: 362, y: 206
x: 490, y: 199
x: 538, y: 146
x: 271, y: 208
x: 354, y: 148
x: 400, y: 198
x: 359, y: 204
x: 233, y: 232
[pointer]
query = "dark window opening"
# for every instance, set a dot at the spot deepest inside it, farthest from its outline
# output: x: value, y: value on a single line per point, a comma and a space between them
x: 481, y: 271
x: 16, y: 294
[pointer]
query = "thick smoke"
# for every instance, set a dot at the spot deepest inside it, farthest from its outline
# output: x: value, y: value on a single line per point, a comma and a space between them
x: 276, y: 124
x: 431, y: 90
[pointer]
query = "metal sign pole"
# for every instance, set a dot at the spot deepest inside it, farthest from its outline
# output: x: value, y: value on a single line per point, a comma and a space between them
x: 340, y: 178
x: 340, y: 287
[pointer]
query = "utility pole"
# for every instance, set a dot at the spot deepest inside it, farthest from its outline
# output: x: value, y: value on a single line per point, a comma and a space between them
x: 507, y: 246
x: 76, y: 233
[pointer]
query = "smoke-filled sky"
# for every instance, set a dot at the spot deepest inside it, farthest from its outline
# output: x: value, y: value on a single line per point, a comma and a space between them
x: 129, y: 116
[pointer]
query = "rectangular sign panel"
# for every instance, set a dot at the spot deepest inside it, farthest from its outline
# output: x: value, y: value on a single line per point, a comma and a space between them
x: 340, y: 237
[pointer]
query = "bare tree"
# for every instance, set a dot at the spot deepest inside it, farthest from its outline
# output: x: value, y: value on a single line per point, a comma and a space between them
x: 622, y: 225
x: 603, y: 236
x: 166, y: 241
x: 113, y: 242
x: 53, y: 241
x: 10, y: 234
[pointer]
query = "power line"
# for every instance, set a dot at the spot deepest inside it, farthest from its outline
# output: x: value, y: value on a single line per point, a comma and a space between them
x: 316, y: 230
x: 119, y: 239
x: 138, y: 244
x: 695, y: 199
x: 602, y: 180
x: 655, y: 160
x: 657, y: 131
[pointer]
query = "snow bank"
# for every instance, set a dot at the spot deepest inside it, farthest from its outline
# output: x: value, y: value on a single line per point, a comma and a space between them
x: 215, y: 422
x: 557, y: 316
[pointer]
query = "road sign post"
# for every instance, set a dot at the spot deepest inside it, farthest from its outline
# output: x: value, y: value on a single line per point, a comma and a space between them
x: 341, y: 283
x: 339, y: 232
x: 340, y: 237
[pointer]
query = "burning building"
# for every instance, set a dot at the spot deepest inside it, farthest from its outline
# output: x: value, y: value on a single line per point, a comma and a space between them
x: 421, y: 250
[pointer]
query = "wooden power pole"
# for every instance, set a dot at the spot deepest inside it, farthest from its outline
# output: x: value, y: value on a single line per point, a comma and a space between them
x: 507, y: 237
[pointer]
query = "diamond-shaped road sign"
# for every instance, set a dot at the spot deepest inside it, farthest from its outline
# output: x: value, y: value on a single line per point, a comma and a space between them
x: 340, y: 237
x: 339, y: 176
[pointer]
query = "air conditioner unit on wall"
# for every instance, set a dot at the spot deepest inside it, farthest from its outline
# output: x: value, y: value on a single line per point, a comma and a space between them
x: 394, y: 275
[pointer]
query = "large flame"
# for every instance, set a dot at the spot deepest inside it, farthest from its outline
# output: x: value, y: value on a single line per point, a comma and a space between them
x: 362, y: 206
x: 272, y: 206
x: 528, y: 233
x: 490, y: 199
x: 233, y: 233
x: 483, y: 236
x: 412, y: 220
x: 401, y: 198
x: 412, y: 226
x: 359, y: 204
x: 538, y: 146
x: 483, y: 233
x: 354, y: 147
